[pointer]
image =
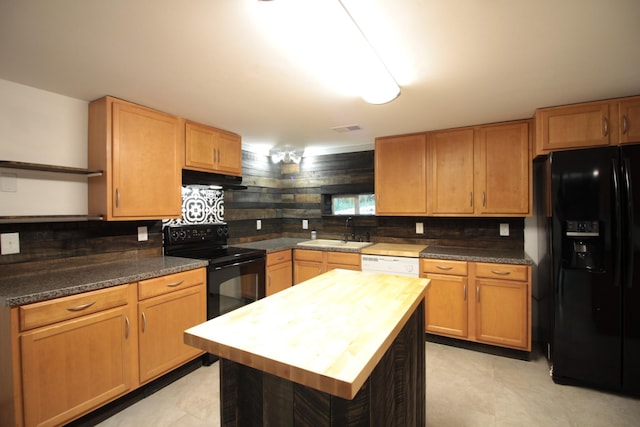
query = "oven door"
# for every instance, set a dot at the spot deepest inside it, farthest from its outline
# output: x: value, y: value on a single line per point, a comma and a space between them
x: 233, y: 285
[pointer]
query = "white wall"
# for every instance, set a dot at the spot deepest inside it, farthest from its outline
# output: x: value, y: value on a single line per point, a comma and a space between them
x: 37, y: 126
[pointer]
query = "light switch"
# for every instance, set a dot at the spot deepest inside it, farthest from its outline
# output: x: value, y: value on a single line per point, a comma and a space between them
x: 143, y: 234
x: 258, y: 224
x: 305, y: 224
x: 9, y: 243
x: 504, y: 229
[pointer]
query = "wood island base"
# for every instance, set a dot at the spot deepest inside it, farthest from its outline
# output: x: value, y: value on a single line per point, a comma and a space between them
x: 393, y: 395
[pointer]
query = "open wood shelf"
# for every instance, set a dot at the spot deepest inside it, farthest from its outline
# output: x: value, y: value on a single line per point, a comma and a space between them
x: 48, y: 168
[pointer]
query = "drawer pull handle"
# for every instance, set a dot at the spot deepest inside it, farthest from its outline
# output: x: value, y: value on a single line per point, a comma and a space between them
x: 144, y: 322
x: 174, y: 284
x: 81, y: 307
x: 501, y: 273
x: 444, y: 267
x: 126, y: 321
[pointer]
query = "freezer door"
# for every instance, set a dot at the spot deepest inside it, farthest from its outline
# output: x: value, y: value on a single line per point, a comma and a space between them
x: 586, y: 345
x: 630, y: 159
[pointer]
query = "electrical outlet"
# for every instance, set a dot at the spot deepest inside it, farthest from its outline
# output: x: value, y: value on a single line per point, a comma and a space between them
x: 305, y: 224
x: 9, y: 243
x: 143, y: 234
x: 419, y: 228
x: 258, y: 224
x: 504, y: 229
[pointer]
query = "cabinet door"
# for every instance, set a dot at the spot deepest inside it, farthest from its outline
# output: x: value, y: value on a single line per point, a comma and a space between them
x: 575, y: 126
x: 451, y: 172
x: 502, y: 170
x: 279, y: 277
x: 71, y: 367
x: 446, y: 305
x: 210, y: 149
x: 629, y: 120
x: 162, y: 321
x: 305, y: 270
x: 502, y: 313
x: 400, y: 175
x: 146, y: 163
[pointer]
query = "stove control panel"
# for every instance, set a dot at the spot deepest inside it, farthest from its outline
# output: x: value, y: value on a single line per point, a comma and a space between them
x: 176, y: 234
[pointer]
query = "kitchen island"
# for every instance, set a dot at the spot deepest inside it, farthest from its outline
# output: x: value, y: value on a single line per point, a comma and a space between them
x: 344, y: 348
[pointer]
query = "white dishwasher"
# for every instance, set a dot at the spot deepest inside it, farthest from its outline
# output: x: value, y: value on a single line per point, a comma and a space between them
x: 390, y: 258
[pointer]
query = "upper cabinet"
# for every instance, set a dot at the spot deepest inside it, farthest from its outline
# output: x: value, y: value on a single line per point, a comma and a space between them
x: 503, y: 170
x: 401, y: 175
x: 480, y: 171
x: 212, y: 150
x: 590, y: 124
x: 140, y: 152
x: 451, y: 172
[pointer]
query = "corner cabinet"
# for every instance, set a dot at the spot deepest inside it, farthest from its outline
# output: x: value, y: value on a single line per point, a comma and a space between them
x: 401, y: 175
x: 140, y: 151
x: 481, y: 302
x: 279, y: 269
x: 209, y: 149
x: 309, y: 263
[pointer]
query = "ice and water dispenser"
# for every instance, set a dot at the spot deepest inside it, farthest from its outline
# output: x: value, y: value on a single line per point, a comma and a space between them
x: 583, y: 245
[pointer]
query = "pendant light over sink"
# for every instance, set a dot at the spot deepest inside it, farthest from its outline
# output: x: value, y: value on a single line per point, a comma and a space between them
x: 325, y: 36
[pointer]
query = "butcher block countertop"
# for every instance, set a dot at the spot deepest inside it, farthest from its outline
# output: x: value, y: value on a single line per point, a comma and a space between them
x: 394, y: 249
x: 328, y: 333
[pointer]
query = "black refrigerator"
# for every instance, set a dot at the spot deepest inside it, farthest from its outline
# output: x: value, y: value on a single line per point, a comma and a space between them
x: 595, y: 239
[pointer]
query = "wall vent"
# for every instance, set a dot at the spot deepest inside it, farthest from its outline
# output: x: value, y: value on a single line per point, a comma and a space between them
x: 346, y: 128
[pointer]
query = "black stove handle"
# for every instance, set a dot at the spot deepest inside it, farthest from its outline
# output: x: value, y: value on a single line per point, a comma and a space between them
x: 234, y: 264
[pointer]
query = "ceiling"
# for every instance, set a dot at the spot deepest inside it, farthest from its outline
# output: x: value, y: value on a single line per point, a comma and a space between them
x: 462, y: 62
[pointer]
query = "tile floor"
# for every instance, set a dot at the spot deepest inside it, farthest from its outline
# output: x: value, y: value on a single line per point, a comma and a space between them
x: 464, y: 388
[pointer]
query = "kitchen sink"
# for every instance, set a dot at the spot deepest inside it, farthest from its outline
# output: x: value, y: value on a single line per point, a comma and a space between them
x: 329, y: 243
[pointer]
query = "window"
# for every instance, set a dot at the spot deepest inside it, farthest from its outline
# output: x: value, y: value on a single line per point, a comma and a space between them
x: 353, y: 204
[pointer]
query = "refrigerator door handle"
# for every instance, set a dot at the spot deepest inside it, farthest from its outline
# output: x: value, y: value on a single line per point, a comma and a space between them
x: 617, y: 259
x: 629, y: 214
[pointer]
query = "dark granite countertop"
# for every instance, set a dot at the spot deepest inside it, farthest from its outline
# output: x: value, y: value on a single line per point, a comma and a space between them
x: 77, y: 278
x: 501, y: 256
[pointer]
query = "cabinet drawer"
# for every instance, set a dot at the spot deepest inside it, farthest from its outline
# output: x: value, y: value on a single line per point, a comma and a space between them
x: 440, y: 266
x: 308, y: 255
x: 59, y: 309
x: 502, y: 271
x: 171, y: 282
x: 343, y: 258
x: 274, y: 258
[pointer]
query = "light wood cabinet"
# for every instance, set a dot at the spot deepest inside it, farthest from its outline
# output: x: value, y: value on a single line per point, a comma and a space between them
x: 629, y: 120
x: 503, y: 305
x: 451, y: 155
x: 212, y: 150
x: 482, y: 302
x: 589, y: 124
x: 401, y: 175
x: 480, y: 171
x: 446, y: 298
x: 309, y: 263
x: 503, y: 172
x: 168, y: 306
x: 75, y: 365
x: 140, y: 151
x: 279, y: 268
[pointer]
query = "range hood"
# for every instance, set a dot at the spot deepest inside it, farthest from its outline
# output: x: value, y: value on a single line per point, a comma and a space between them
x: 225, y: 182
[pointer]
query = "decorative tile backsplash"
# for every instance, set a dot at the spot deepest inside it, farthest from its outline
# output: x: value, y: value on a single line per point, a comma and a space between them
x: 200, y: 205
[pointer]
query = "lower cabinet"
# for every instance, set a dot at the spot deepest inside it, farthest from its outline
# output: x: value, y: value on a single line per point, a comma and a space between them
x: 482, y: 302
x: 73, y: 354
x: 162, y: 320
x: 279, y: 271
x: 309, y: 263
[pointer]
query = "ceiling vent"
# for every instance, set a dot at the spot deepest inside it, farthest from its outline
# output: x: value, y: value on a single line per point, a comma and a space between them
x: 347, y: 128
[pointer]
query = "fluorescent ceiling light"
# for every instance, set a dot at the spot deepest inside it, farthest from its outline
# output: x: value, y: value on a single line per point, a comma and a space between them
x: 322, y: 35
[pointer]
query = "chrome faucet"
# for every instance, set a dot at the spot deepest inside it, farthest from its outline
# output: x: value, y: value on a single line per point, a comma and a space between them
x: 350, y: 222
